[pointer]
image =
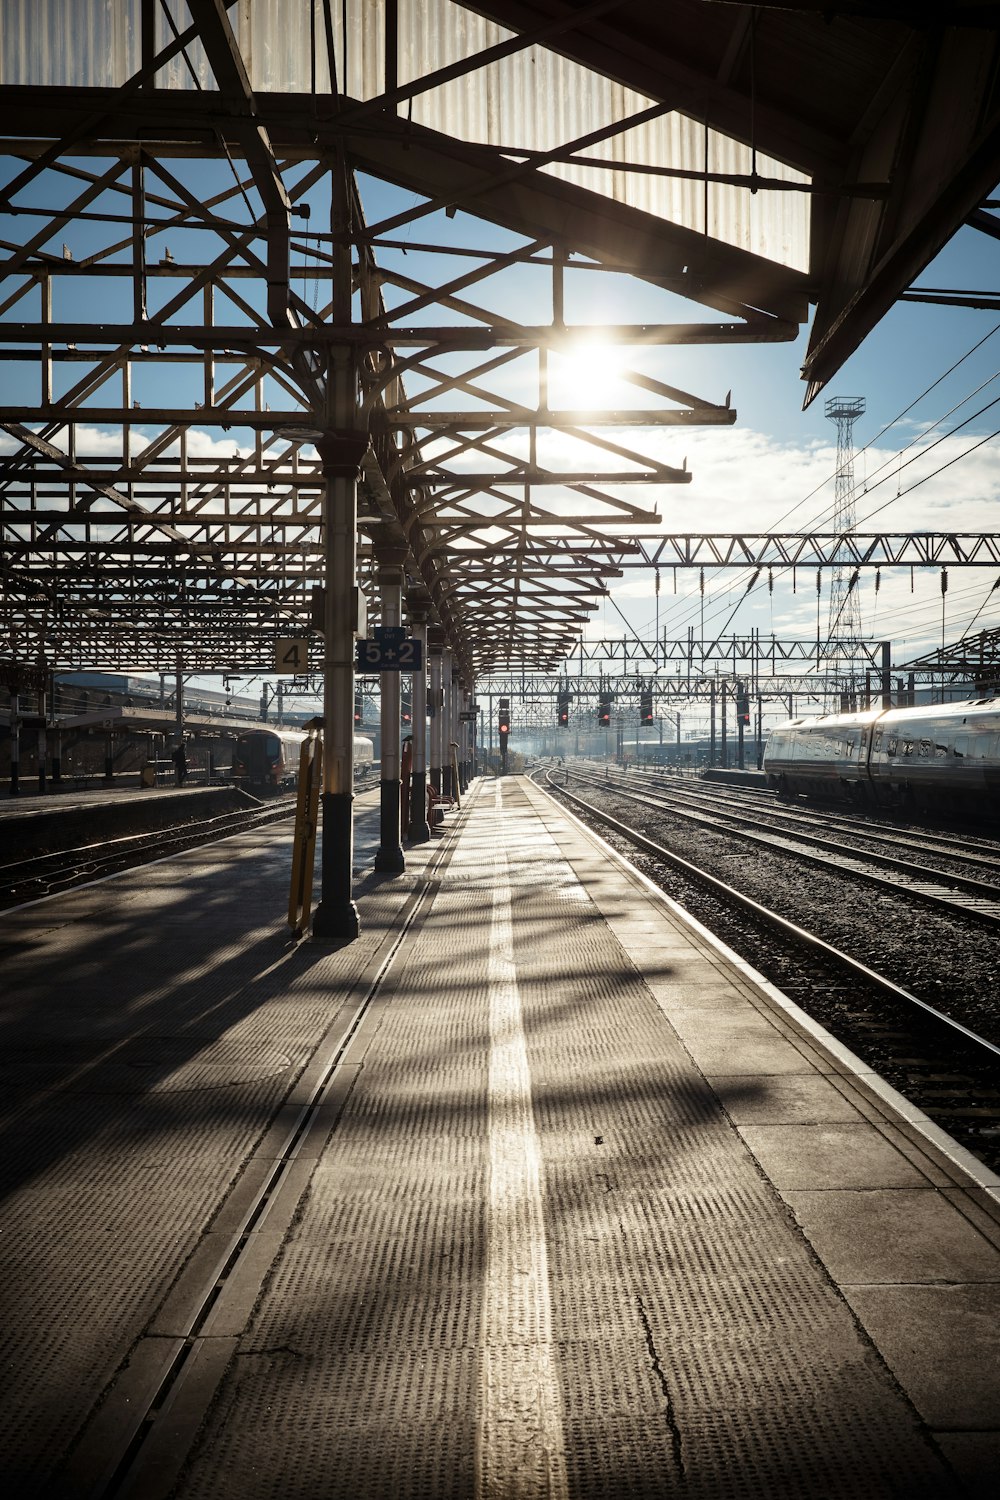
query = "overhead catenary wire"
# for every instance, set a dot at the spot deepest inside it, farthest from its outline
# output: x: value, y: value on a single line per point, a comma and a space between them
x: 924, y: 451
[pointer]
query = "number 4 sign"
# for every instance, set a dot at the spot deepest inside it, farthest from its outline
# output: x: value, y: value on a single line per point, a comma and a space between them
x: 291, y: 655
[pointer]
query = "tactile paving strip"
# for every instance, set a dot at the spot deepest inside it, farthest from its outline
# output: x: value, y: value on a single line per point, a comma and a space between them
x: 700, y: 1349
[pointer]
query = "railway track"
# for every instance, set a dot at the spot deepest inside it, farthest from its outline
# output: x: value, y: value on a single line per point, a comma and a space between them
x: 797, y: 835
x: 40, y: 875
x: 862, y: 823
x: 933, y: 1057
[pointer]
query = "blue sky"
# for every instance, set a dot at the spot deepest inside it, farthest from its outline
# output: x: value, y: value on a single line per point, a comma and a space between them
x: 773, y: 469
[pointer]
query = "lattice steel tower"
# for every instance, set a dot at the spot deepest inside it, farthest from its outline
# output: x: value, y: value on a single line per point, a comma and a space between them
x: 844, y: 631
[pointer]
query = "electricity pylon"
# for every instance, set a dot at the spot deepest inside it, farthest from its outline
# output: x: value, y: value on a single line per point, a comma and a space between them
x: 844, y: 632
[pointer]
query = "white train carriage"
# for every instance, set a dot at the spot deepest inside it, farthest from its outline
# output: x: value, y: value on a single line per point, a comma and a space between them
x: 825, y: 756
x: 939, y: 757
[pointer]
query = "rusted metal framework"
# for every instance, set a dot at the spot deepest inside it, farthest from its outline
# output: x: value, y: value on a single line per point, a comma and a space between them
x: 254, y: 250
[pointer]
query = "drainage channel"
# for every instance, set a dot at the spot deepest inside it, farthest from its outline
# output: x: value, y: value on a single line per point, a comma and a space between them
x: 137, y: 1441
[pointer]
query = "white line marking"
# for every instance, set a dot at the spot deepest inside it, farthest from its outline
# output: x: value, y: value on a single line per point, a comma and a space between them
x: 521, y: 1446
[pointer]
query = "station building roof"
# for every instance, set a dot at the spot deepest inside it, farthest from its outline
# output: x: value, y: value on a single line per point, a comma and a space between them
x: 766, y: 164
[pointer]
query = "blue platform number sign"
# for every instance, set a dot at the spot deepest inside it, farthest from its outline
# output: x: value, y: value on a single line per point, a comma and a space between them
x: 391, y: 650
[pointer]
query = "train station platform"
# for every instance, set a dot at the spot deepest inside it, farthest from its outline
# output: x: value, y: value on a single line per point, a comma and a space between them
x: 533, y: 1190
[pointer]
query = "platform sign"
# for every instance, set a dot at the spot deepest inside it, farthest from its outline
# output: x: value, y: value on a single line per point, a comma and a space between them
x: 470, y: 717
x: 291, y: 654
x: 396, y: 654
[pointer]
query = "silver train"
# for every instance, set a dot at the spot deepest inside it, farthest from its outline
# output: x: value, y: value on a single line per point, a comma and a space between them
x: 938, y: 758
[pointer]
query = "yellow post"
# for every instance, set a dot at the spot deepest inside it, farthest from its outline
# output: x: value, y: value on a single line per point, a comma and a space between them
x: 455, y: 793
x: 306, y: 821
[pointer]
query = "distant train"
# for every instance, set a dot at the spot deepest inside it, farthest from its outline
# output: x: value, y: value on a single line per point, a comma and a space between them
x: 939, y: 758
x: 269, y: 758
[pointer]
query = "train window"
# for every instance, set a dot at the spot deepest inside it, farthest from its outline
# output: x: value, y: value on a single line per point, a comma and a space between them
x: 877, y: 740
x: 906, y: 748
x: 893, y: 745
x: 940, y: 750
x: 850, y: 748
x: 926, y: 750
x: 962, y: 746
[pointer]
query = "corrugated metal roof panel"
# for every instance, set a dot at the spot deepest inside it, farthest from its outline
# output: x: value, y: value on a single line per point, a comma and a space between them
x: 537, y: 100
x: 533, y: 101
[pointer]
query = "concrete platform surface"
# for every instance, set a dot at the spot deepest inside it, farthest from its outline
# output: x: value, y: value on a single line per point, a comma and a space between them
x: 534, y: 1190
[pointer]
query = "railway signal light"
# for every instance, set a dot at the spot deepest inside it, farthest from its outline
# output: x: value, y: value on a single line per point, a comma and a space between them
x: 357, y: 710
x: 404, y: 713
x: 562, y: 711
x: 742, y: 704
x: 646, y: 707
x: 604, y: 710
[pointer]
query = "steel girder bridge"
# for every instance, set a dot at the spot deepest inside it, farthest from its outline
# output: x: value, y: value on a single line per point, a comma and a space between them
x: 287, y: 290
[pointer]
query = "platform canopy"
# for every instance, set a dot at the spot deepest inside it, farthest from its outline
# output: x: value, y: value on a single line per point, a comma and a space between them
x: 189, y: 185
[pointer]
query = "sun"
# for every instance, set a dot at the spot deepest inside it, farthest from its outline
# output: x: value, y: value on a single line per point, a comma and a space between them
x: 589, y: 376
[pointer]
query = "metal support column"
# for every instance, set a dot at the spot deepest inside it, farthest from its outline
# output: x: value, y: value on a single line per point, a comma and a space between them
x: 711, y: 723
x: 43, y: 745
x: 454, y: 730
x: 447, y: 723
x: 886, y: 674
x: 336, y: 917
x: 418, y: 830
x: 15, y: 745
x: 179, y: 753
x: 389, y: 855
x: 723, y: 749
x: 435, y: 646
x: 465, y: 735
x: 342, y: 446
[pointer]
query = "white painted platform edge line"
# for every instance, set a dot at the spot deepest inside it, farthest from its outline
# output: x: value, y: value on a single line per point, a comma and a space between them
x: 522, y: 1411
x: 970, y: 1165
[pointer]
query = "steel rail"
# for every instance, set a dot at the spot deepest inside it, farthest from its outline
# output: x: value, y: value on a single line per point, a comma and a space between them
x: 844, y: 861
x: 773, y: 920
x: 61, y: 869
x: 938, y: 840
